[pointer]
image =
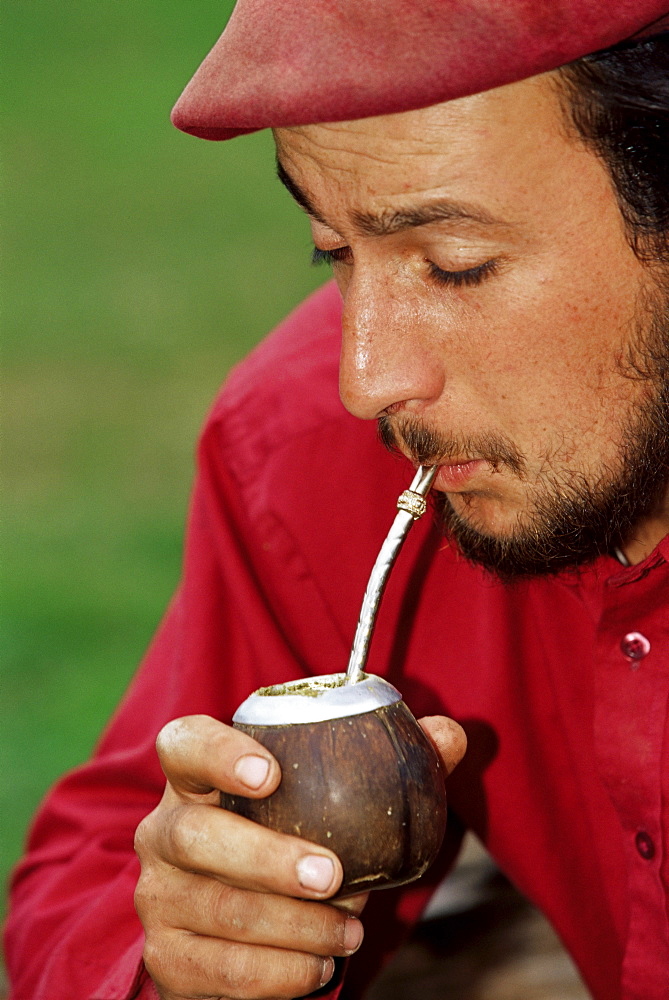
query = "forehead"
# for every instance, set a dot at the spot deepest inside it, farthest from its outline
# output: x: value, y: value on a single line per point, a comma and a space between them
x: 499, y: 146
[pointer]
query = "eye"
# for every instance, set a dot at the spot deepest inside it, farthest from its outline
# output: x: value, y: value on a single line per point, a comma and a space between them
x: 470, y: 276
x: 340, y: 255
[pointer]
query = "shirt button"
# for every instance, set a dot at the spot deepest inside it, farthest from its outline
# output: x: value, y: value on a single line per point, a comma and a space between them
x: 635, y: 646
x: 644, y: 845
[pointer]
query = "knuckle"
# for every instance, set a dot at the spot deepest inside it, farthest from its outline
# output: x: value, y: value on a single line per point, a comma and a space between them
x: 143, y: 836
x: 242, y: 972
x: 146, y: 896
x: 333, y: 930
x: 172, y: 968
x: 307, y: 974
x: 158, y: 959
x: 183, y: 834
x: 326, y: 930
x: 236, y: 911
x: 169, y: 736
x: 248, y: 973
x: 178, y: 732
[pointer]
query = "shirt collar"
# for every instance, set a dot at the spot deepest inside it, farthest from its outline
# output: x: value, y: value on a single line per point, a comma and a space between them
x: 630, y: 574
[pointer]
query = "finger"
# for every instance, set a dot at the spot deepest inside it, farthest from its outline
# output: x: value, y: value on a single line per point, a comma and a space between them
x: 206, y: 907
x: 448, y: 738
x: 199, y: 754
x: 212, y: 841
x: 185, y: 965
x: 351, y: 904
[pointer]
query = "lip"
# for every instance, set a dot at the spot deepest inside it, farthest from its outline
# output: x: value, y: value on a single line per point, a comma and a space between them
x: 456, y: 475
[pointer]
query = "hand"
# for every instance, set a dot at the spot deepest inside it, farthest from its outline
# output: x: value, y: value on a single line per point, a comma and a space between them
x: 231, y: 909
x: 449, y: 739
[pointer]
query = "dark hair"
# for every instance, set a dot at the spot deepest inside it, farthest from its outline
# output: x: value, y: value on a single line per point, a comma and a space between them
x: 618, y: 101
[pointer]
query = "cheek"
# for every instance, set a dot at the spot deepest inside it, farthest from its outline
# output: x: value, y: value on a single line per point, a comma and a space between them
x: 544, y: 364
x: 557, y: 334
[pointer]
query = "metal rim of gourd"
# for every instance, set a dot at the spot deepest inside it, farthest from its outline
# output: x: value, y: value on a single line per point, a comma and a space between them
x: 315, y: 699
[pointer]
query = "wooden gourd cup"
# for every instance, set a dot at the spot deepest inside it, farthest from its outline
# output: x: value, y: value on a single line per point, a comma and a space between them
x: 359, y: 776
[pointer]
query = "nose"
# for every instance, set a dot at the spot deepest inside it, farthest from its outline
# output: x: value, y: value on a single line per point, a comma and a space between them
x: 390, y: 354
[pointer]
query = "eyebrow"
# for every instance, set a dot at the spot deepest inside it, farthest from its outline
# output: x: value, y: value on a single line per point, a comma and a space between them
x: 394, y: 220
x: 298, y: 194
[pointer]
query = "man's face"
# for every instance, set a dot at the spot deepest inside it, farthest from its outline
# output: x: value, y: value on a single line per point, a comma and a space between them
x: 491, y: 298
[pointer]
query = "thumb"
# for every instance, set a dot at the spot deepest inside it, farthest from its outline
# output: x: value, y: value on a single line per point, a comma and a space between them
x: 448, y: 737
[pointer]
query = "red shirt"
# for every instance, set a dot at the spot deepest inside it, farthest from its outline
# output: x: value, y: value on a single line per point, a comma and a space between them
x: 561, y: 683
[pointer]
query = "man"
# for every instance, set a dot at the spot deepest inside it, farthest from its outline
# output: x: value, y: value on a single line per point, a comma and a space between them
x: 497, y: 234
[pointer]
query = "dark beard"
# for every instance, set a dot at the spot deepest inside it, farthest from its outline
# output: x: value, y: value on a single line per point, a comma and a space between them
x: 573, y: 520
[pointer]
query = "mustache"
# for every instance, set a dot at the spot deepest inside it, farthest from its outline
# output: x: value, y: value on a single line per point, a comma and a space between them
x: 426, y: 446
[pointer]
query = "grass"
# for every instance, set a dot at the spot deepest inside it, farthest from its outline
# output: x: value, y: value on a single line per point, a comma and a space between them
x: 140, y: 264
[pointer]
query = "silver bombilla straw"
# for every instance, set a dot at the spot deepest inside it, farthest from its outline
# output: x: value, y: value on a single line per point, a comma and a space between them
x: 410, y: 506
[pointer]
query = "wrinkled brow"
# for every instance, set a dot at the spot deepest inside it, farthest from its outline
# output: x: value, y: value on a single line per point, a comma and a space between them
x: 298, y: 194
x: 390, y: 220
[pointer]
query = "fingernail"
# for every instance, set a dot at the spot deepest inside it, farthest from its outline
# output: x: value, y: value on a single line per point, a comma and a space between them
x: 252, y: 771
x: 315, y: 872
x: 328, y: 971
x: 353, y: 932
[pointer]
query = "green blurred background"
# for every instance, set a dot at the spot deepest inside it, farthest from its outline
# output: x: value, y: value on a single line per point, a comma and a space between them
x: 139, y: 265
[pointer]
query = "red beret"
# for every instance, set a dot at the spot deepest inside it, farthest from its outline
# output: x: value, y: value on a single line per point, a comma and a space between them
x: 295, y: 62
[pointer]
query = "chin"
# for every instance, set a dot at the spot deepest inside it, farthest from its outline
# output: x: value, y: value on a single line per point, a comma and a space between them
x: 510, y: 547
x: 486, y: 514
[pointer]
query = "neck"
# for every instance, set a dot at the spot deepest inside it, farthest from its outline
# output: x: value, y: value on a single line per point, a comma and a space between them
x: 647, y: 534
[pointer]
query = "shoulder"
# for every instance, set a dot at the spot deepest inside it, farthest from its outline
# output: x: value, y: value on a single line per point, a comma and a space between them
x: 292, y: 374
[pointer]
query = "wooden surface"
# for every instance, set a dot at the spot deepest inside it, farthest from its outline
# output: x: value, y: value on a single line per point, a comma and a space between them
x: 492, y: 945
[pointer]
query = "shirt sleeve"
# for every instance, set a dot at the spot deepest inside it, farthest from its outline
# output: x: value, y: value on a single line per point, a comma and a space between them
x: 73, y: 933
x: 266, y: 596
